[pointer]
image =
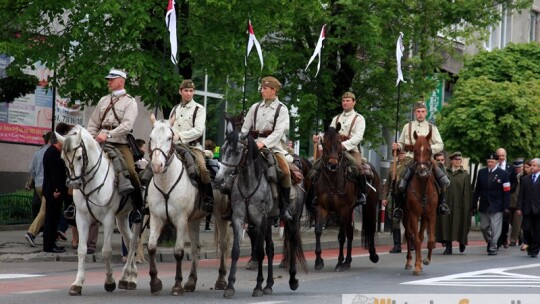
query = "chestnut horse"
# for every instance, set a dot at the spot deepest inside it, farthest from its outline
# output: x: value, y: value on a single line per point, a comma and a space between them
x: 335, y: 192
x: 421, y: 203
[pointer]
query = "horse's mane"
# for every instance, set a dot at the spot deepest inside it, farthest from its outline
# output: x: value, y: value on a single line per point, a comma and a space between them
x: 331, y: 136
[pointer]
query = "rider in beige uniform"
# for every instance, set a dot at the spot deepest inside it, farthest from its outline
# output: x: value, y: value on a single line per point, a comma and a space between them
x: 111, y: 121
x: 353, y: 126
x: 260, y: 122
x: 189, y: 125
x: 406, y: 143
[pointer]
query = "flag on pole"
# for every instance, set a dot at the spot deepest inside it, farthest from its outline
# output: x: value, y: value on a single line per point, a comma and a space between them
x: 399, y: 54
x: 252, y: 40
x: 170, y: 21
x: 318, y: 50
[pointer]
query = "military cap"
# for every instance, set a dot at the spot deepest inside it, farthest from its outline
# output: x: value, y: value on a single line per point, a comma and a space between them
x: 348, y: 95
x: 420, y: 105
x: 518, y: 162
x: 115, y: 73
x: 456, y: 155
x: 492, y: 156
x: 187, y: 84
x: 271, y: 82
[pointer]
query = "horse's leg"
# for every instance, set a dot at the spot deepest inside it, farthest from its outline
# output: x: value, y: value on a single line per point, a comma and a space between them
x: 369, y: 223
x: 193, y: 227
x: 130, y: 263
x: 156, y: 224
x: 181, y: 226
x: 221, y: 235
x: 123, y: 226
x: 431, y: 238
x: 260, y: 236
x: 409, y: 237
x: 83, y: 225
x: 341, y: 242
x: 321, y: 218
x: 106, y: 251
x: 270, y: 255
x: 418, y: 239
x: 292, y: 230
x: 349, y: 233
x: 237, y: 224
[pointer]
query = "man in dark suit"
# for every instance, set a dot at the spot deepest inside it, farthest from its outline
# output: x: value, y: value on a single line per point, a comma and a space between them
x: 510, y: 169
x: 493, y: 191
x: 529, y: 206
x: 54, y: 190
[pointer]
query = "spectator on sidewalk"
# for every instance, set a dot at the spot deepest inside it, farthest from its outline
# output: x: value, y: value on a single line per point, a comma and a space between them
x: 529, y: 206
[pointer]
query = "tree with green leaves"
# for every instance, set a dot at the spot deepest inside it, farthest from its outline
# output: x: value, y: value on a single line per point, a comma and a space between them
x: 496, y: 103
x: 81, y: 40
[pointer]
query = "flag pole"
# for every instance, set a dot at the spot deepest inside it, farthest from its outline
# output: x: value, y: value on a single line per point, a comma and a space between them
x: 245, y: 72
x: 160, y: 81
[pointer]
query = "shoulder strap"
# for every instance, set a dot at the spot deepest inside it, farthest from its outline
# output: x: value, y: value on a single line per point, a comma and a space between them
x: 352, y: 125
x: 194, y: 116
x: 173, y: 111
x: 410, y: 131
x: 276, y: 116
x: 111, y: 107
x: 255, y: 115
x: 337, y: 118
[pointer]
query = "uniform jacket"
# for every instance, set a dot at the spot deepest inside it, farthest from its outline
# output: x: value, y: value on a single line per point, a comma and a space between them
x: 529, y: 196
x: 125, y: 108
x: 187, y: 129
x: 265, y: 122
x: 489, y: 189
x: 422, y: 129
x: 356, y: 133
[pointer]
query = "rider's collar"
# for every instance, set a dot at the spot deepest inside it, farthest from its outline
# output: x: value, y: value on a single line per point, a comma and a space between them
x: 421, y: 123
x: 269, y: 103
x: 185, y: 103
x: 119, y: 92
x: 347, y: 114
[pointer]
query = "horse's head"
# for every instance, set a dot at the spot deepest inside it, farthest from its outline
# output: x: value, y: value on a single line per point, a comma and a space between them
x: 161, y: 145
x: 332, y: 149
x: 422, y: 154
x: 79, y: 151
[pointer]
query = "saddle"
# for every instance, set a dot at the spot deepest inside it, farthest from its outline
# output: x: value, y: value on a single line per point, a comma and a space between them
x: 296, y: 174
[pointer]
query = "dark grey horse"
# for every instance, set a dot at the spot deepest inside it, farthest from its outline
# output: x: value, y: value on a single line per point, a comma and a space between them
x: 242, y: 165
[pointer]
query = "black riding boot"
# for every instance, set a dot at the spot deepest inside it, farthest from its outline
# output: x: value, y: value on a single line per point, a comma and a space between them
x: 284, y: 206
x: 362, y: 190
x: 135, y: 215
x: 208, y: 198
x: 404, y: 181
x: 442, y: 208
x: 448, y: 249
x: 396, y: 234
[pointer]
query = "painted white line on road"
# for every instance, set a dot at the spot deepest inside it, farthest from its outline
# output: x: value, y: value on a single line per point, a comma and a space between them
x: 7, y: 276
x: 35, y: 291
x: 484, y: 278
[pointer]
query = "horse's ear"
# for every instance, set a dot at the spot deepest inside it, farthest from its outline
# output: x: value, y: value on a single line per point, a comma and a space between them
x: 152, y: 119
x: 172, y: 119
x: 415, y: 136
x: 229, y: 127
x: 59, y: 137
x: 338, y: 127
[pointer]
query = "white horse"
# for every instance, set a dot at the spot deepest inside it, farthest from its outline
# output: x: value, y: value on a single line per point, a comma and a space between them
x: 97, y: 199
x: 173, y: 198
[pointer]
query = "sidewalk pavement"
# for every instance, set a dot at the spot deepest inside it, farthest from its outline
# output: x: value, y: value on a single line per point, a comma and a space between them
x: 15, y: 248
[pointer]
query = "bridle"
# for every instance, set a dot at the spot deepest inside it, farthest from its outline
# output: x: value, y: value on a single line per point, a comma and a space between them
x: 168, y: 155
x: 332, y: 166
x: 241, y: 163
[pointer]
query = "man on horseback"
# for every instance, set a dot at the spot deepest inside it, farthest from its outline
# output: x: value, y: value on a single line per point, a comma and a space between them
x: 111, y: 121
x: 189, y: 125
x: 267, y: 121
x: 351, y: 134
x: 406, y: 143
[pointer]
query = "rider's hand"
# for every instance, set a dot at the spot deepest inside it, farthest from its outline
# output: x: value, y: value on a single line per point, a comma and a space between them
x: 101, y: 137
x: 384, y: 202
x: 260, y: 145
x: 395, y: 146
x: 316, y: 139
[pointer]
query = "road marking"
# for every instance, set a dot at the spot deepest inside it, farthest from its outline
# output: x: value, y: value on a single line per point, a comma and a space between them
x: 36, y: 291
x: 499, y: 277
x: 7, y: 276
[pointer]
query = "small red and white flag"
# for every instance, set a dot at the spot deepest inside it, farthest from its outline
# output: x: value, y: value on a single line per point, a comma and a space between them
x: 170, y: 21
x: 252, y: 40
x: 506, y: 186
x: 318, y: 50
x: 399, y: 54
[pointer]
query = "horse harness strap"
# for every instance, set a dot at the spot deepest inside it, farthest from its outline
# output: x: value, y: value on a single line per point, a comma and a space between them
x: 166, y: 196
x: 111, y: 107
x: 410, y: 147
x: 265, y: 133
x: 350, y: 128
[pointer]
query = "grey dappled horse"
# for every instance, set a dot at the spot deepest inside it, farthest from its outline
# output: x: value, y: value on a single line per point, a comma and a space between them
x: 252, y: 201
x: 97, y: 199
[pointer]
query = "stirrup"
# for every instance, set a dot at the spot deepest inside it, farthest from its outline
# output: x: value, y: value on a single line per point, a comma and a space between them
x: 69, y: 213
x: 285, y: 214
x: 361, y: 200
x: 135, y: 216
x: 397, y: 214
x: 443, y: 209
x: 208, y: 205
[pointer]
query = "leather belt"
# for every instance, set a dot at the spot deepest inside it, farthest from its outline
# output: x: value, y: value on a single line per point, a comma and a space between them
x: 108, y: 127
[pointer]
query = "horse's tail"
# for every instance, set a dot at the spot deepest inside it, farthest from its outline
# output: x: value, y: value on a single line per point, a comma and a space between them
x: 292, y: 235
x: 369, y: 213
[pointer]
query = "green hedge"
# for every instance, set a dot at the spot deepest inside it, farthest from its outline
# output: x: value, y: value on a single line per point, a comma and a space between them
x: 16, y: 208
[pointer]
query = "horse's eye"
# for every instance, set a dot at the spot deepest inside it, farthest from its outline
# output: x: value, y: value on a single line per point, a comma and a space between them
x: 79, y: 158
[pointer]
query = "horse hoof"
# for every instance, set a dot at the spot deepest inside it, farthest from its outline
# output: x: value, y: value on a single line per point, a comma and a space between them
x: 252, y: 265
x: 268, y: 291
x: 319, y: 264
x: 417, y: 272
x: 156, y: 288
x: 75, y: 290
x: 177, y: 291
x: 257, y: 293
x: 342, y: 267
x: 282, y: 264
x: 408, y: 267
x: 293, y: 284
x: 426, y: 262
x: 220, y: 285
x: 131, y: 286
x: 229, y: 293
x: 110, y: 287
x: 122, y: 284
x: 374, y: 258
x: 189, y: 287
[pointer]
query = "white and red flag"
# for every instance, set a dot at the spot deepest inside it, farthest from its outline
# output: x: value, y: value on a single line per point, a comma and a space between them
x: 170, y: 20
x: 252, y: 40
x: 318, y: 50
x: 399, y: 54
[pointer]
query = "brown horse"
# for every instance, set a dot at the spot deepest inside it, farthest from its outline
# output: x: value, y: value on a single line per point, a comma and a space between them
x: 421, y: 204
x: 335, y: 192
